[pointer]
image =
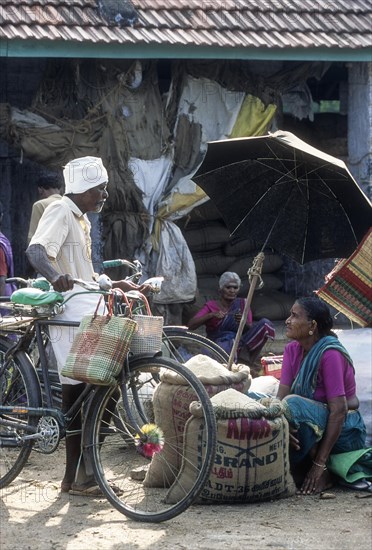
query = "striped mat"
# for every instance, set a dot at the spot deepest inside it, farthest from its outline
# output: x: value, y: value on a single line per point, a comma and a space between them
x: 348, y: 287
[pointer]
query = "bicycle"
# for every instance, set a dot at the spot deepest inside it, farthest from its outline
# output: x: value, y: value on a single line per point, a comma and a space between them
x: 178, y: 342
x: 113, y: 443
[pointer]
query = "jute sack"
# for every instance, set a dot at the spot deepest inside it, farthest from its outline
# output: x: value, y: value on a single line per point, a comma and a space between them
x: 171, y: 402
x: 252, y: 461
x: 208, y: 284
x: 247, y: 246
x: 206, y: 237
x: 272, y: 263
x: 272, y: 304
x: 271, y: 282
x: 211, y: 263
x: 205, y: 212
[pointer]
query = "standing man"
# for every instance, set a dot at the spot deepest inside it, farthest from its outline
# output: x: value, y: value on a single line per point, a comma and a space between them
x: 49, y: 189
x: 61, y: 251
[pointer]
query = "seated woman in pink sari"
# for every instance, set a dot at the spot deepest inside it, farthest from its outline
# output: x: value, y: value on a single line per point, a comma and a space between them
x: 222, y: 317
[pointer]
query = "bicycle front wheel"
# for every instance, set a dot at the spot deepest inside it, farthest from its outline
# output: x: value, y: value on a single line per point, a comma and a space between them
x: 19, y: 388
x: 136, y: 484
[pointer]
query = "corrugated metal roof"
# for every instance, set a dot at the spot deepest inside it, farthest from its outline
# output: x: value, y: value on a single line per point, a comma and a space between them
x: 216, y: 23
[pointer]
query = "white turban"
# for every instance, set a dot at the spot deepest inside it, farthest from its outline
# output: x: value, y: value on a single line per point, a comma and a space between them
x: 84, y: 173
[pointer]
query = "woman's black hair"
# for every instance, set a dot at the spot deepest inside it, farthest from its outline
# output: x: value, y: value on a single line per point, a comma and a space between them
x: 318, y: 311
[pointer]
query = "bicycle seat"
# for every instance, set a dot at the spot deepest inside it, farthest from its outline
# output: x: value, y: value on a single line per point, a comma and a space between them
x: 35, y: 297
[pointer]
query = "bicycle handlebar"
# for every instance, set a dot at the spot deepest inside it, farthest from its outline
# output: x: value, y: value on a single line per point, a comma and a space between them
x: 134, y: 266
x: 19, y: 280
x: 103, y: 282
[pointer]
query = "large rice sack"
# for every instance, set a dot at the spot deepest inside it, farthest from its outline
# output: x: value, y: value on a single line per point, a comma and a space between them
x: 206, y: 237
x: 208, y: 284
x: 272, y: 304
x: 205, y: 212
x: 244, y: 247
x: 270, y: 281
x: 266, y: 384
x: 251, y: 463
x: 272, y: 262
x: 211, y: 263
x: 171, y: 402
x: 207, y: 289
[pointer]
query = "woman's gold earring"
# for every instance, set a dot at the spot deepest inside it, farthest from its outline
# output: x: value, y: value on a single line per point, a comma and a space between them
x: 311, y: 332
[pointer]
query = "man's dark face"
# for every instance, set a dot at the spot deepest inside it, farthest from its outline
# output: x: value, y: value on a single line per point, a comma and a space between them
x: 93, y: 199
x: 42, y: 192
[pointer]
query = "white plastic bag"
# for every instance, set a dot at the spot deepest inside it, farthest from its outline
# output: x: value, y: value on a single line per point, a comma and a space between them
x: 176, y: 265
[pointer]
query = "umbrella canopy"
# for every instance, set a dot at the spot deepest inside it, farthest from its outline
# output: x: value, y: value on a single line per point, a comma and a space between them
x: 287, y: 195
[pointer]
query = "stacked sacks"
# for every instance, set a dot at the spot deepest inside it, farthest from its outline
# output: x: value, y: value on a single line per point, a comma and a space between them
x: 272, y: 304
x: 174, y: 398
x: 270, y: 301
x: 214, y: 252
x: 252, y: 462
x: 207, y: 237
x: 206, y: 241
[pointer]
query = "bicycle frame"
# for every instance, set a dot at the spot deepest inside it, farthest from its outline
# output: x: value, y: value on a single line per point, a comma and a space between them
x: 36, y: 329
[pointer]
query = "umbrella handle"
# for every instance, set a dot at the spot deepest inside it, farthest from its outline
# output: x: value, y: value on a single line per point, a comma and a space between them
x: 254, y: 275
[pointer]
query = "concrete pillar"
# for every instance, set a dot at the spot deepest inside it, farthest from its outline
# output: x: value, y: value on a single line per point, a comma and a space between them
x: 360, y: 124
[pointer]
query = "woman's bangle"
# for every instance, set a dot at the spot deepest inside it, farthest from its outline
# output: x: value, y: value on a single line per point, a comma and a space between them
x: 320, y: 465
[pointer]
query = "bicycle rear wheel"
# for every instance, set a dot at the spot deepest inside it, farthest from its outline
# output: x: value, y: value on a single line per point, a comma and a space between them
x: 118, y: 453
x: 19, y: 388
x: 178, y: 344
x: 181, y: 344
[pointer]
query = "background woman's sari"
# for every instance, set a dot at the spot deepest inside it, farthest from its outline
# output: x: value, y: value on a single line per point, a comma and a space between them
x: 252, y: 339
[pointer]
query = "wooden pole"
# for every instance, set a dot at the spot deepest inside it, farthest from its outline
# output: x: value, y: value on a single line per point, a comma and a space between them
x: 254, y: 274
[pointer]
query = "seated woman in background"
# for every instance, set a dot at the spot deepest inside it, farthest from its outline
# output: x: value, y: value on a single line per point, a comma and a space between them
x: 222, y: 317
x: 318, y: 388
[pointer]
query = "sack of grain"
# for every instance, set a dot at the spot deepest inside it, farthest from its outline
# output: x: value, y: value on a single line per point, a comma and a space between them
x: 273, y: 305
x: 206, y: 237
x: 205, y: 212
x: 272, y: 263
x: 270, y: 281
x: 245, y: 247
x: 252, y: 461
x: 171, y: 402
x: 208, y: 284
x: 211, y: 263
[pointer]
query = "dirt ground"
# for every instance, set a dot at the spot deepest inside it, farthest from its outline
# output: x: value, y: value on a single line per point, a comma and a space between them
x: 35, y: 515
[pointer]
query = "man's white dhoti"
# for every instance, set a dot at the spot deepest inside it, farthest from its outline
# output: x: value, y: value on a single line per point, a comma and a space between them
x: 62, y: 337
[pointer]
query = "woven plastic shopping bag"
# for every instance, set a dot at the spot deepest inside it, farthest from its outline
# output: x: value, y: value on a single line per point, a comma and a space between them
x: 99, y: 348
x: 148, y: 337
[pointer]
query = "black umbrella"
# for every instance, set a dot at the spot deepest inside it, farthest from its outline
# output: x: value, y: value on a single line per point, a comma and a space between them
x: 287, y: 195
